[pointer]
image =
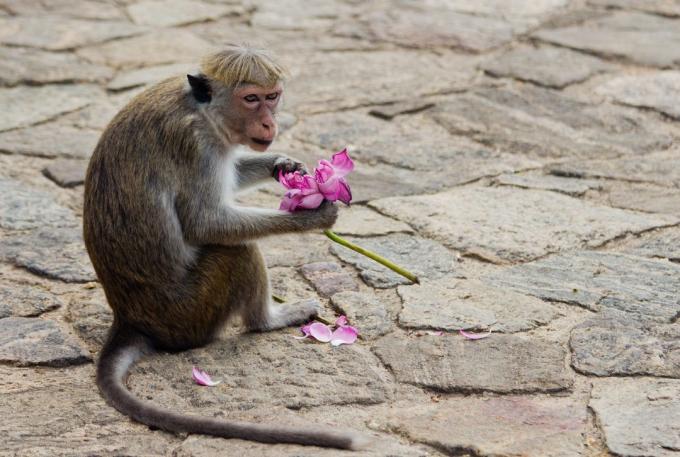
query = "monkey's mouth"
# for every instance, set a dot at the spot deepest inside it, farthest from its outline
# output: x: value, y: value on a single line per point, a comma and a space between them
x: 262, y: 142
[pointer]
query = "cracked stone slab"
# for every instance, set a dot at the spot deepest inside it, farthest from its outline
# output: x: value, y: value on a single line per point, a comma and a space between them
x: 662, y: 7
x: 32, y: 66
x: 621, y: 346
x: 66, y: 173
x: 169, y: 13
x: 24, y: 207
x: 329, y: 278
x: 643, y: 197
x: 422, y: 257
x: 149, y: 75
x: 658, y: 91
x: 363, y: 221
x: 31, y: 341
x: 505, y: 224
x: 58, y: 33
x: 80, y: 9
x: 267, y: 369
x: 565, y: 185
x: 644, y: 288
x: 638, y: 416
x: 529, y: 426
x: 631, y: 35
x: 91, y: 318
x: 450, y: 363
x: 546, y: 66
x: 663, y: 245
x: 450, y: 304
x: 539, y: 123
x: 20, y: 300
x: 364, y: 311
x: 392, y: 110
x: 296, y: 15
x: 24, y: 106
x: 56, y: 253
x: 40, y: 141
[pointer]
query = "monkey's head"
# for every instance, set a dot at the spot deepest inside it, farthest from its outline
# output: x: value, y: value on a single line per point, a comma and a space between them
x: 239, y: 90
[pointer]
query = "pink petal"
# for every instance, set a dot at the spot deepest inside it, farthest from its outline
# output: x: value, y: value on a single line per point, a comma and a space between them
x: 342, y: 164
x: 320, y: 332
x: 324, y: 171
x: 291, y: 200
x: 330, y: 189
x: 202, y: 378
x: 344, y: 194
x: 341, y: 321
x: 305, y: 330
x: 344, y: 335
x: 473, y: 336
x: 310, y: 201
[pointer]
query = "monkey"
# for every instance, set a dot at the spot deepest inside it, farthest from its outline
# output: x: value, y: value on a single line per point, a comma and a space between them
x: 174, y: 253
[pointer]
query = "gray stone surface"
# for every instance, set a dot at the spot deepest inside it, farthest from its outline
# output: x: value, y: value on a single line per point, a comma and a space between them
x: 638, y: 416
x: 642, y: 197
x: 664, y: 245
x: 24, y: 207
x: 450, y: 304
x: 621, y: 346
x: 24, y: 106
x: 662, y: 7
x: 545, y: 66
x: 150, y: 75
x: 630, y: 35
x: 422, y: 257
x: 363, y: 221
x: 168, y: 13
x: 329, y: 278
x: 66, y: 173
x: 40, y: 141
x: 498, y: 426
x: 57, y: 253
x: 364, y: 311
x: 392, y: 110
x: 658, y: 91
x: 569, y: 186
x: 21, y: 300
x: 508, y: 225
x: 644, y: 288
x: 451, y: 363
x: 91, y: 318
x: 32, y: 341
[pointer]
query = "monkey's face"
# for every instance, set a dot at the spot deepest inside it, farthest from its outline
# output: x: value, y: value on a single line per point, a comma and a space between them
x: 255, y: 109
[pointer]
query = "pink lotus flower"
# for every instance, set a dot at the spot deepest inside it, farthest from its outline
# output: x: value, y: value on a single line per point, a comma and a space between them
x: 343, y: 334
x: 202, y: 378
x: 327, y: 183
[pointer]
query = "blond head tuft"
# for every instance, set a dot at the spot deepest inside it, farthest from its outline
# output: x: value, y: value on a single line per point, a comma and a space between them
x: 243, y: 64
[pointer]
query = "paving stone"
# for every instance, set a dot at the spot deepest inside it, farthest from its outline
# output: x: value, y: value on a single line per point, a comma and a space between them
x: 450, y: 304
x: 328, y: 278
x: 296, y: 249
x: 546, y: 66
x: 163, y: 46
x: 58, y: 33
x: 499, y: 426
x: 569, y: 186
x: 66, y: 173
x: 662, y: 7
x: 102, y: 110
x: 20, y: 300
x: 31, y: 341
x: 40, y: 141
x: 167, y: 13
x: 150, y: 75
x: 541, y: 123
x: 298, y: 14
x: 364, y: 311
x: 392, y: 110
x: 31, y: 66
x: 645, y: 198
x: 451, y: 363
x: 598, y: 281
x: 629, y: 35
x: 91, y: 317
x: 24, y: 106
x: 424, y: 258
x: 57, y: 253
x: 664, y: 245
x: 621, y: 346
x: 638, y: 416
x: 289, y: 284
x: 23, y: 207
x: 267, y: 369
x: 509, y: 225
x: 658, y: 91
x: 363, y: 221
x: 659, y: 167
x: 82, y: 9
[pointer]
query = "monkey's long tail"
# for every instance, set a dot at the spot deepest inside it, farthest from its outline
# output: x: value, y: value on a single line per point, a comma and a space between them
x: 124, y: 348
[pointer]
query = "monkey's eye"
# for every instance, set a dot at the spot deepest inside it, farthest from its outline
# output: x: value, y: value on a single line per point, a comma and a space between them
x: 273, y: 96
x: 251, y: 98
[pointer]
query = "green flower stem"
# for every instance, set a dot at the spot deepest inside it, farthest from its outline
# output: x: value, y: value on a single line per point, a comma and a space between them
x: 372, y: 255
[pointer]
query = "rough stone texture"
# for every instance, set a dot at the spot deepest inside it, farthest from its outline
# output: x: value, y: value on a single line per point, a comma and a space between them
x: 150, y: 75
x: 508, y: 225
x: 174, y: 12
x: 363, y: 221
x: 295, y: 250
x: 23, y: 207
x: 540, y: 123
x: 664, y: 245
x: 91, y: 318
x: 658, y: 91
x: 450, y: 304
x: 596, y: 280
x: 26, y: 301
x: 392, y: 110
x: 569, y: 186
x: 405, y: 251
x: 57, y: 253
x: 663, y: 7
x: 620, y: 346
x: 546, y: 66
x: 645, y: 198
x: 298, y: 14
x: 364, y: 311
x: 81, y: 9
x: 24, y: 106
x: 31, y: 341
x: 40, y: 141
x: 66, y: 173
x: 328, y: 278
x: 638, y: 416
x: 633, y: 36
x: 451, y: 363
x: 510, y: 425
x: 59, y: 33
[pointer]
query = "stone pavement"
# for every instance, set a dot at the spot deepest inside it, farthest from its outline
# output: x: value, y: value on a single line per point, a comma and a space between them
x: 521, y: 156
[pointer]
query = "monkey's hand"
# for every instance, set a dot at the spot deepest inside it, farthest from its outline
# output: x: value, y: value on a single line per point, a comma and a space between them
x: 287, y: 165
x: 323, y: 217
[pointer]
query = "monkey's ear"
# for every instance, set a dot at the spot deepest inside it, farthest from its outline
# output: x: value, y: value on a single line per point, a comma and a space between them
x: 200, y: 88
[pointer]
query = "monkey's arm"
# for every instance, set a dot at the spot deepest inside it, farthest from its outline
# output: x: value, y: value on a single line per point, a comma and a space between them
x: 252, y: 169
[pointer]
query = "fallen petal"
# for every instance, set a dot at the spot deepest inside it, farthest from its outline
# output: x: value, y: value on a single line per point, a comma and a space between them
x: 474, y: 336
x: 344, y: 335
x: 320, y: 332
x: 202, y: 378
x: 341, y: 321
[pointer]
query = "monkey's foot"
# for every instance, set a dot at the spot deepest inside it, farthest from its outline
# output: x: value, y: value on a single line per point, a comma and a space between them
x: 287, y: 314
